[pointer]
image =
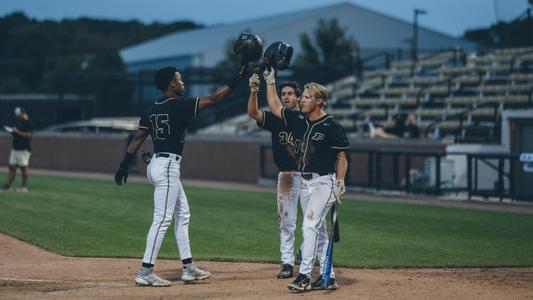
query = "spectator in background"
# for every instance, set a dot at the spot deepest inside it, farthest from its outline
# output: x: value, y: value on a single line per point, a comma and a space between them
x: 21, y: 151
x: 395, y: 131
x: 411, y: 130
x: 399, y: 129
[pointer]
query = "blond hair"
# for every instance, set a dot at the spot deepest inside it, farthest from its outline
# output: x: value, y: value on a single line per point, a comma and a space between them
x: 317, y: 90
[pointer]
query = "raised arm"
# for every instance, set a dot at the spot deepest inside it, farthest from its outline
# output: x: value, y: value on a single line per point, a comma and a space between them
x: 272, y: 95
x: 253, y: 109
x: 220, y: 93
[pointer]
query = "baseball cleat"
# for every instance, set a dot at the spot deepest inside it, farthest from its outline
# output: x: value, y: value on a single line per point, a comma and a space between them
x: 317, y: 285
x: 6, y: 188
x: 192, y: 273
x: 301, y: 284
x: 146, y: 277
x: 285, y: 272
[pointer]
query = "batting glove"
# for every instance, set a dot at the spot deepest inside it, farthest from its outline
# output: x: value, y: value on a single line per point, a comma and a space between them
x: 254, y: 83
x: 339, y: 190
x: 121, y: 175
x: 270, y: 76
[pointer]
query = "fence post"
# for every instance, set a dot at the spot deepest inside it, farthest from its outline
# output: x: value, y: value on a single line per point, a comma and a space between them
x: 469, y: 175
x: 437, y: 170
x: 501, y: 184
x: 395, y: 170
x: 378, y: 171
x: 370, y: 169
x: 407, y: 172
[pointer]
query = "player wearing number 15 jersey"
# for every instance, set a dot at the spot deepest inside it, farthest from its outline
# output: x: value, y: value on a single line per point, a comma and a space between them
x: 166, y: 121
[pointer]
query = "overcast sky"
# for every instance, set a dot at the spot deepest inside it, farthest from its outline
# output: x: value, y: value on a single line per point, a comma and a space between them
x: 449, y: 16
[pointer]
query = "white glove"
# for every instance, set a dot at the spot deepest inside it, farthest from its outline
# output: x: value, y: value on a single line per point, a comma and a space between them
x: 254, y: 82
x: 339, y: 189
x: 270, y: 76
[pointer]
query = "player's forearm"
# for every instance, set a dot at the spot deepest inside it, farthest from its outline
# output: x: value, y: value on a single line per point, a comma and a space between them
x: 342, y: 165
x: 273, y: 100
x: 136, y: 142
x: 214, y: 98
x: 253, y: 109
x: 24, y: 134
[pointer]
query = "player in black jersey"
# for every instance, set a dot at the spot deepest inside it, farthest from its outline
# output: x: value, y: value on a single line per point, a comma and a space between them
x: 284, y: 154
x: 323, y: 163
x: 166, y: 121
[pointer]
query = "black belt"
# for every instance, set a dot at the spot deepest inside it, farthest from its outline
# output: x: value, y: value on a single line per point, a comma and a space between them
x: 311, y: 175
x: 176, y: 156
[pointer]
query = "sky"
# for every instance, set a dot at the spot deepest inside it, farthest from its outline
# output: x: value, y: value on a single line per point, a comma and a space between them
x: 448, y: 16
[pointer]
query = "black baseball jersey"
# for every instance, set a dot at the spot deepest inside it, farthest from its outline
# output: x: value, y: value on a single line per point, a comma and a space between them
x: 283, y: 144
x: 19, y: 142
x: 321, y: 141
x: 167, y: 120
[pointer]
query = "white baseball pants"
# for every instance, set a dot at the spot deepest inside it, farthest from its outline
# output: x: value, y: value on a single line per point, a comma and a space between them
x: 317, y: 198
x: 289, y: 186
x: 169, y: 201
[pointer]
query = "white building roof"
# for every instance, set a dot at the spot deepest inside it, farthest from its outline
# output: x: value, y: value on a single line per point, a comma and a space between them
x: 372, y: 30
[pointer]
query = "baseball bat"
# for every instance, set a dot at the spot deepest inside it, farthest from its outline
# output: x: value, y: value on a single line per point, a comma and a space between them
x: 334, y: 237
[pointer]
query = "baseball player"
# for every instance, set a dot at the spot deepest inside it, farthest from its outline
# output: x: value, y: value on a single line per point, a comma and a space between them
x: 323, y: 164
x: 166, y: 121
x: 22, y: 132
x: 289, y: 179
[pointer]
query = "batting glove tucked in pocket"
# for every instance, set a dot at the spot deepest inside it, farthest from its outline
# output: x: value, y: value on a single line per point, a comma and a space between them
x: 339, y: 189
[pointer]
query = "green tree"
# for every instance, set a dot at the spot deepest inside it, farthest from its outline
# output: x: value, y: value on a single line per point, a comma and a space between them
x: 330, y: 46
x: 230, y: 60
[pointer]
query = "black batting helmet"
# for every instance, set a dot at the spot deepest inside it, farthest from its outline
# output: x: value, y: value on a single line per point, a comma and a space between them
x: 278, y: 55
x: 249, y: 46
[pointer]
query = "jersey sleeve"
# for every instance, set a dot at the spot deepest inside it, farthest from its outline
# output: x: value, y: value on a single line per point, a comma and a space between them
x: 290, y: 118
x: 339, y: 140
x: 144, y: 122
x: 190, y: 107
x: 268, y: 121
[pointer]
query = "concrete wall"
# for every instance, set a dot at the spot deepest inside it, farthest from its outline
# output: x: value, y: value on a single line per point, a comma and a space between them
x: 210, y: 158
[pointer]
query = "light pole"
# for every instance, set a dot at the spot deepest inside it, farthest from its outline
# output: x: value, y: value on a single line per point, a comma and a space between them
x: 414, y: 53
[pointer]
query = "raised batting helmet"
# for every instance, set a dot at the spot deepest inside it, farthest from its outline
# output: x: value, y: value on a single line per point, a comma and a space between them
x: 249, y: 46
x: 278, y: 55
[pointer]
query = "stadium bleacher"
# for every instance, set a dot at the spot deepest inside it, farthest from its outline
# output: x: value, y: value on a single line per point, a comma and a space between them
x: 439, y: 88
x: 455, y: 93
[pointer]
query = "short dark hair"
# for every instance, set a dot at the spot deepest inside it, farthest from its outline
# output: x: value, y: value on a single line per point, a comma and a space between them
x: 294, y: 85
x: 164, y: 76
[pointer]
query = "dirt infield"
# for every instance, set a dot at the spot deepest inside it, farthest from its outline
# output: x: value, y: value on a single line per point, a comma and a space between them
x: 28, y: 272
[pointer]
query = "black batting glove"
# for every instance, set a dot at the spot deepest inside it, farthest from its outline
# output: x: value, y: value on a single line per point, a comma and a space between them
x: 122, y: 173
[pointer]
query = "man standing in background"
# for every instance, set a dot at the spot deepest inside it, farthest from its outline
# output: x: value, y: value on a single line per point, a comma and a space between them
x: 289, y: 179
x: 21, y: 151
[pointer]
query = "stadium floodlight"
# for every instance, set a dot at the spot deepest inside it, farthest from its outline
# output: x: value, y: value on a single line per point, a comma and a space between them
x: 414, y: 53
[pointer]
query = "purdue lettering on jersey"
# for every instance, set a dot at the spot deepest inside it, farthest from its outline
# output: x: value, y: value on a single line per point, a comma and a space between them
x: 321, y: 141
x: 167, y: 120
x: 284, y: 143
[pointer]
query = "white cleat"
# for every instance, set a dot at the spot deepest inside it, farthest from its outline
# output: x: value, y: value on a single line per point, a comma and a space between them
x: 146, y: 277
x: 192, y: 273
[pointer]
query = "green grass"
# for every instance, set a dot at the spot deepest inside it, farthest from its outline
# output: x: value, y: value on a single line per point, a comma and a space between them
x: 82, y: 217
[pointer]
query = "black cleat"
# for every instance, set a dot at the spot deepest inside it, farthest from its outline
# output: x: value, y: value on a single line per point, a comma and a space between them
x: 317, y: 285
x: 301, y: 284
x: 286, y: 271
